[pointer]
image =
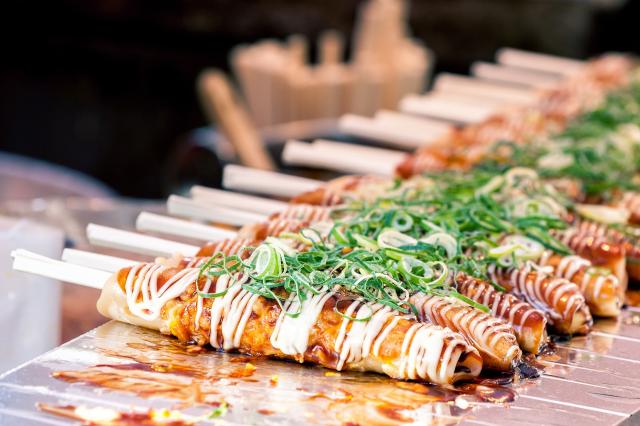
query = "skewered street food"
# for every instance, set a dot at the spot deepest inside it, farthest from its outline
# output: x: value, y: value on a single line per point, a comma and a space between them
x: 165, y: 298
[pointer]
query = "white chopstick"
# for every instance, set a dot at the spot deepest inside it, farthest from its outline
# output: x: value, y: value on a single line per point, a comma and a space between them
x: 513, y: 75
x: 171, y: 226
x: 186, y: 207
x: 305, y: 154
x: 266, y: 183
x: 105, y: 236
x: 538, y: 61
x: 235, y: 200
x: 102, y: 262
x: 34, y: 263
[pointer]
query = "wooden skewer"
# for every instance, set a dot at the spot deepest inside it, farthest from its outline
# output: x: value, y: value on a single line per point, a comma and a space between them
x: 513, y: 75
x: 331, y: 47
x: 231, y: 199
x: 538, y: 61
x: 104, y: 236
x: 186, y: 207
x: 25, y: 261
x: 302, y: 153
x: 168, y: 225
x: 331, y: 74
x: 268, y: 183
x: 102, y: 262
x: 368, y: 128
x: 446, y: 82
x: 223, y: 106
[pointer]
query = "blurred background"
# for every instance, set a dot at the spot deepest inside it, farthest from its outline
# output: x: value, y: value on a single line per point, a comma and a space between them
x: 108, y: 88
x: 102, y: 100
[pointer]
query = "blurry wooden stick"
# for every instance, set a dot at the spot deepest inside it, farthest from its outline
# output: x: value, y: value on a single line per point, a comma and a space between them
x: 223, y: 107
x: 298, y: 46
x: 331, y: 47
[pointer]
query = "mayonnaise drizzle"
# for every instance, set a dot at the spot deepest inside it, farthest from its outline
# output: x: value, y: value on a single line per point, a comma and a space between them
x: 230, y: 311
x: 502, y: 305
x: 428, y: 352
x: 483, y: 330
x: 580, y: 271
x: 541, y: 290
x: 291, y: 333
x: 142, y: 282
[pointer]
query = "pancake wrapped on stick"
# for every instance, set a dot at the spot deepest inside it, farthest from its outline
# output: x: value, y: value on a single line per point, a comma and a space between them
x: 600, y: 288
x: 494, y: 338
x: 165, y: 298
x: 529, y: 324
x: 561, y: 300
x: 605, y: 249
x: 630, y: 201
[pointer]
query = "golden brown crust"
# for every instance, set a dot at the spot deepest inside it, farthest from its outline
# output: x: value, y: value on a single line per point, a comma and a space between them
x: 601, y: 289
x: 528, y: 323
x: 188, y: 317
x: 560, y: 299
x: 494, y: 339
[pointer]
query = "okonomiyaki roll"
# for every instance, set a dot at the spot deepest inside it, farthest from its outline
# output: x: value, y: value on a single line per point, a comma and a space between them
x: 600, y: 288
x: 529, y: 324
x: 492, y: 337
x: 560, y: 299
x: 631, y: 201
x: 599, y: 250
x: 329, y: 328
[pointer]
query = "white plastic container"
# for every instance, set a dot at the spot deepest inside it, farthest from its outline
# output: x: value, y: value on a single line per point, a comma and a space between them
x: 29, y: 304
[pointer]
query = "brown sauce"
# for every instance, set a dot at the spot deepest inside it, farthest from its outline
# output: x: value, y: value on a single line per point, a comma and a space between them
x: 121, y: 419
x: 393, y: 412
x: 166, y: 368
x: 245, y: 371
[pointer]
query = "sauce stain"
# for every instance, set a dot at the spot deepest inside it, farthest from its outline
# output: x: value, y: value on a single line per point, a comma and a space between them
x: 246, y: 371
x: 109, y: 417
x: 393, y: 412
x: 198, y: 377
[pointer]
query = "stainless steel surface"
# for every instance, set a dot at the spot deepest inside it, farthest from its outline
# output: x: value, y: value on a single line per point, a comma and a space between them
x: 592, y: 380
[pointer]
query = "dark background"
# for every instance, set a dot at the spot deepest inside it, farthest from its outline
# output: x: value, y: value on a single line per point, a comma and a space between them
x: 107, y: 87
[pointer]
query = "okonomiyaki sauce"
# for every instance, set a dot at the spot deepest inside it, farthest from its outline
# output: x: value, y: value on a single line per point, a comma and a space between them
x: 197, y: 378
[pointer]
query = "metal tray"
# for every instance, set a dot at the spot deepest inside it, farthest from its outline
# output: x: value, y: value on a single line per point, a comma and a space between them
x: 593, y: 380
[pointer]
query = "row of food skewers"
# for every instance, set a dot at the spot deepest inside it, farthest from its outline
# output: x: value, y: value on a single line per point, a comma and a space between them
x: 429, y: 278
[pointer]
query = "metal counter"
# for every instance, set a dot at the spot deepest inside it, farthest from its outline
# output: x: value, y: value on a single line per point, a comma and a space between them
x: 593, y: 380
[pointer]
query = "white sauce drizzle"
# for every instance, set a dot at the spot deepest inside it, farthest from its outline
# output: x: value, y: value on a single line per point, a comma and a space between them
x: 544, y: 297
x: 428, y: 352
x: 291, y: 334
x: 483, y: 330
